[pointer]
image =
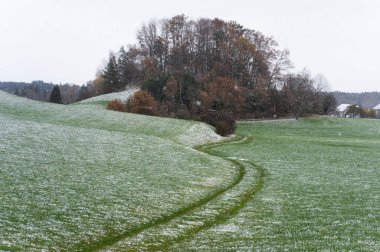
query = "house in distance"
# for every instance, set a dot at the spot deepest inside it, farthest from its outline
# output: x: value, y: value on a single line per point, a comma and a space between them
x: 377, y: 110
x: 341, y: 110
x: 347, y: 111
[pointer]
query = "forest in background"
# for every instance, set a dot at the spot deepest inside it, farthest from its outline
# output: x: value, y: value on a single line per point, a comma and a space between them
x: 207, y: 69
x: 212, y: 70
x: 41, y: 91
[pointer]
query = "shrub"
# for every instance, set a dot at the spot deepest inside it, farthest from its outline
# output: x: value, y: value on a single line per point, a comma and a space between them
x: 142, y: 103
x: 225, y: 127
x: 116, y: 105
x: 182, y: 113
x: 163, y: 110
x: 224, y: 123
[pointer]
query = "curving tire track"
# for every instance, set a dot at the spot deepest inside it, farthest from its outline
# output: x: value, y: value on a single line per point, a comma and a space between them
x: 162, y: 233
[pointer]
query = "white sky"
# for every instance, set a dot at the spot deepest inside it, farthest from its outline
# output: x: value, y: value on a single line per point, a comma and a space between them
x: 67, y: 40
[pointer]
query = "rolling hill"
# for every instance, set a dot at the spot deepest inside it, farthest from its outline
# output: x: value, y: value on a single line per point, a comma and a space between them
x: 81, y: 178
x: 72, y: 175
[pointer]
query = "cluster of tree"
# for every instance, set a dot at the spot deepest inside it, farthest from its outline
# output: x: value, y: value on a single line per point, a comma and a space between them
x: 212, y: 70
x: 366, y: 100
x: 36, y: 90
x: 12, y: 86
x: 42, y: 91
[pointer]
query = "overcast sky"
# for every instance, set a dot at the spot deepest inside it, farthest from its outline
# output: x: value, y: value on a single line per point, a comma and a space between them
x: 66, y: 41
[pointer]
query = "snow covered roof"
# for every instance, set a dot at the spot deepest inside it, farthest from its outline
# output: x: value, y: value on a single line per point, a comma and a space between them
x: 342, y: 107
x: 377, y: 107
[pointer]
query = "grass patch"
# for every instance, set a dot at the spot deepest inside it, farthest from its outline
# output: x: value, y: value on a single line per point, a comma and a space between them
x: 72, y: 176
x: 82, y: 178
x: 321, y: 193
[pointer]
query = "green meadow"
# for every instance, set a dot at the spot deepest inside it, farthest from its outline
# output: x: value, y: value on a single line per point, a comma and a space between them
x: 321, y: 189
x: 81, y: 178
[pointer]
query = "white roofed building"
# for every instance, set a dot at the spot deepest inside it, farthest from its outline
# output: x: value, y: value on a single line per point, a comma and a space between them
x: 341, y: 110
x: 377, y: 110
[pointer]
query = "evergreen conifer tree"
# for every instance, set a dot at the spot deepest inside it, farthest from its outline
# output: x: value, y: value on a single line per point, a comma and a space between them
x: 111, y: 76
x: 55, y: 96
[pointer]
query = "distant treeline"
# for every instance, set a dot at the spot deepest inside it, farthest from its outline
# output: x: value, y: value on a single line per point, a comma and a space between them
x: 365, y: 100
x: 41, y: 91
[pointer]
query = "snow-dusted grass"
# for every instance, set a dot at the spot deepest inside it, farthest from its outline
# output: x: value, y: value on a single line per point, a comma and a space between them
x: 321, y: 192
x: 216, y: 209
x: 92, y: 116
x: 123, y: 96
x: 199, y: 133
x: 71, y: 176
x: 81, y: 177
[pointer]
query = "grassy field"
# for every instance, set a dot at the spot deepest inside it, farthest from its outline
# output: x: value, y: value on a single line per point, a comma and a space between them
x: 80, y: 178
x: 77, y: 178
x: 321, y: 190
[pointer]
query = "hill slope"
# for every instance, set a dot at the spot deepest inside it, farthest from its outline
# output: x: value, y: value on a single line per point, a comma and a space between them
x: 82, y: 178
x: 71, y: 175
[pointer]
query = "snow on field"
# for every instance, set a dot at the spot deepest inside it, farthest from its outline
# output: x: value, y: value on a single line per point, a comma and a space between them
x: 199, y: 133
x: 123, y: 96
x: 162, y: 237
x: 72, y: 175
x: 321, y: 192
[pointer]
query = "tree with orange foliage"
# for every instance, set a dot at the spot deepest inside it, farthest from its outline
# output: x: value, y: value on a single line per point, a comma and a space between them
x: 223, y: 94
x: 221, y: 103
x: 171, y: 89
x: 142, y: 103
x: 116, y: 105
